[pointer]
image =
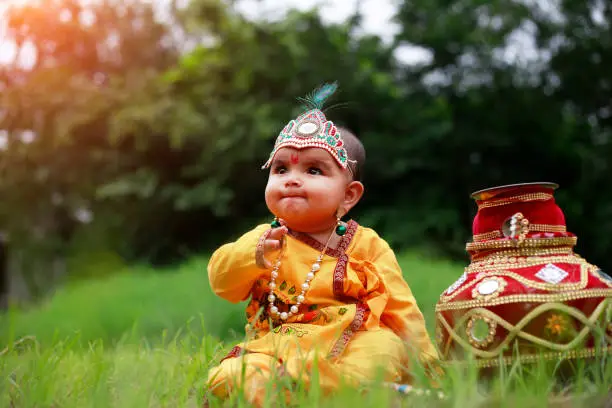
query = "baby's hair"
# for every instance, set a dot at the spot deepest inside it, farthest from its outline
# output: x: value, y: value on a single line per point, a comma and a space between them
x: 355, y: 151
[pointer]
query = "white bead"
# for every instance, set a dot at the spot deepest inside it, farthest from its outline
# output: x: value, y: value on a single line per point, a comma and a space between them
x: 300, y: 298
x: 316, y: 267
x: 294, y: 309
x: 271, y: 298
x: 305, y: 285
x: 310, y: 276
x: 272, y: 285
x: 284, y: 316
x: 274, y: 274
x: 274, y: 310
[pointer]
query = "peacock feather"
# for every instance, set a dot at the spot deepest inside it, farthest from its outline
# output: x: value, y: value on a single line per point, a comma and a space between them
x: 316, y: 99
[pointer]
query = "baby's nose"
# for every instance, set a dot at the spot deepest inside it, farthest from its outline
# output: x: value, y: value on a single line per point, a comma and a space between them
x: 293, y: 180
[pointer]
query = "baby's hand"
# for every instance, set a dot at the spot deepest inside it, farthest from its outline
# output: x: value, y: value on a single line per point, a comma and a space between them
x: 270, y: 241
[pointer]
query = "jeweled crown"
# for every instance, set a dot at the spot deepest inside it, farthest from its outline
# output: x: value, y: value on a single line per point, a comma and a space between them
x: 312, y: 129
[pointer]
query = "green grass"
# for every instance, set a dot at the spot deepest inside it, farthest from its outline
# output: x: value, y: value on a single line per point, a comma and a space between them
x: 146, y: 304
x: 139, y: 302
x: 144, y: 339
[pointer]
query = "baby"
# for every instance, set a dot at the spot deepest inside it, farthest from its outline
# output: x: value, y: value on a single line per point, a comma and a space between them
x: 323, y: 293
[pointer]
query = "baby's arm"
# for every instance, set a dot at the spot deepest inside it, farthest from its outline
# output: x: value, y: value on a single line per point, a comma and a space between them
x: 232, y: 268
x: 402, y: 313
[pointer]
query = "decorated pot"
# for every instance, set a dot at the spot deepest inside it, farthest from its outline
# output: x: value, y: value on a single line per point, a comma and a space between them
x: 526, y: 294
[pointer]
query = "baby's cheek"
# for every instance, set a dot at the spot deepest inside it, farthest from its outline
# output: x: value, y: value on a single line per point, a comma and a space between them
x: 272, y: 189
x: 271, y: 197
x: 325, y: 200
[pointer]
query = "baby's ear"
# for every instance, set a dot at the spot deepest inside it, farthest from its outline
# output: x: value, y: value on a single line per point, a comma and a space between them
x: 352, y: 195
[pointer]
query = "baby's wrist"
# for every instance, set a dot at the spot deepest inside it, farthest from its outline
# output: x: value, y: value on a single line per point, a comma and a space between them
x: 260, y: 259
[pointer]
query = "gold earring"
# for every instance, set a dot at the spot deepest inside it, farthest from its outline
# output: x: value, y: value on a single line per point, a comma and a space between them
x: 340, y: 229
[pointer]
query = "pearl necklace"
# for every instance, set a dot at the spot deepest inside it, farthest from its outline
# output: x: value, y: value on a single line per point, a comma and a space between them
x: 305, y: 286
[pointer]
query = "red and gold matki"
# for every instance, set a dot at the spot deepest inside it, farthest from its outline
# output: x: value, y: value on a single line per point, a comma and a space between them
x: 525, y: 289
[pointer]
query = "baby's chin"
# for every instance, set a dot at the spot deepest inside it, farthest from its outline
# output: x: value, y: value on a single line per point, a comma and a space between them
x: 293, y: 222
x: 304, y: 224
x: 296, y: 209
x: 299, y: 216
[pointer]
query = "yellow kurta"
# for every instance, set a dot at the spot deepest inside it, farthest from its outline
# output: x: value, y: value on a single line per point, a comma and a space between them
x: 359, y: 315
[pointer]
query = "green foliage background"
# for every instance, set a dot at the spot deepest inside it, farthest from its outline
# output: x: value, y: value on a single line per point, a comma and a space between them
x: 157, y: 128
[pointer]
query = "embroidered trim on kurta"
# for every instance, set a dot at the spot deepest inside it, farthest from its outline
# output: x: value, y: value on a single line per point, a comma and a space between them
x: 347, y: 335
x: 340, y: 253
x: 259, y: 249
x: 348, y: 237
x: 237, y: 351
x: 338, y: 287
x: 342, y: 246
x: 340, y: 275
x: 338, y: 280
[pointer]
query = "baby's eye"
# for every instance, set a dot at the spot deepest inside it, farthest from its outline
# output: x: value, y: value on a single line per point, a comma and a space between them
x: 314, y: 171
x: 280, y: 169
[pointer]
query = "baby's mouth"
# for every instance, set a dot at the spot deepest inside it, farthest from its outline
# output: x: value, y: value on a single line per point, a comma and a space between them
x: 293, y: 195
x: 293, y: 199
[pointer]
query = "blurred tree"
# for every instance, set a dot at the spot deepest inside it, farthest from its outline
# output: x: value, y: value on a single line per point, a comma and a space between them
x: 4, y: 278
x: 158, y: 125
x: 226, y: 101
x: 75, y: 66
x: 578, y: 37
x: 515, y: 114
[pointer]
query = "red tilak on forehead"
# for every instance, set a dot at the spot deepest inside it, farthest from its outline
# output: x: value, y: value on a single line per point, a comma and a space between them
x: 295, y: 159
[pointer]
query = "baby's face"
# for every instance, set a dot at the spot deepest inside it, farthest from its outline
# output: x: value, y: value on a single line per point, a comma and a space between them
x: 306, y: 188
